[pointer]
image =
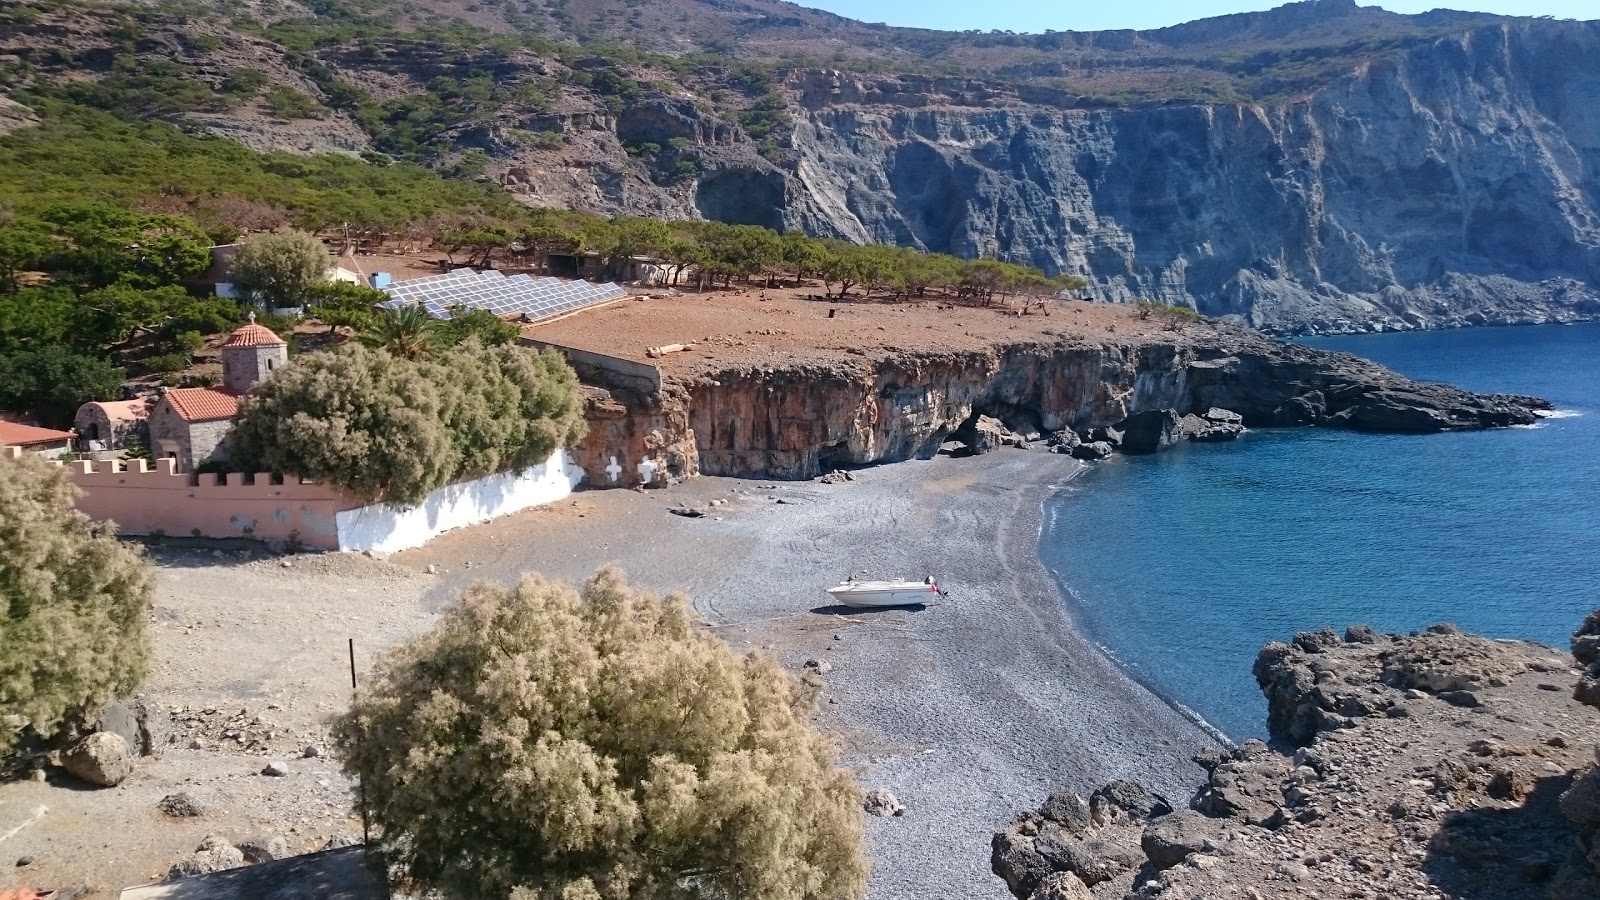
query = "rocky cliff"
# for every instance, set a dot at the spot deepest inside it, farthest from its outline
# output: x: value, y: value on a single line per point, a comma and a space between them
x: 800, y: 421
x: 1453, y: 184
x: 1427, y: 765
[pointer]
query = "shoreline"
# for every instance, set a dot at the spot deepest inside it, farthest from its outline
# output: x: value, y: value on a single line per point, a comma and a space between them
x: 966, y: 711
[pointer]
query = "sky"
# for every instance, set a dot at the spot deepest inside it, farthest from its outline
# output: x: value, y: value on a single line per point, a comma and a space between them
x: 1096, y: 15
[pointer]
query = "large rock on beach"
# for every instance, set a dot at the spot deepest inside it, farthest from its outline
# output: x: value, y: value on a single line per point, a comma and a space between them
x: 1170, y: 839
x: 1151, y: 431
x: 102, y: 759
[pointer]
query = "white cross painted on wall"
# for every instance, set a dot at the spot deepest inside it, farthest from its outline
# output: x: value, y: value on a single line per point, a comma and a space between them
x: 647, y: 470
x: 614, y: 470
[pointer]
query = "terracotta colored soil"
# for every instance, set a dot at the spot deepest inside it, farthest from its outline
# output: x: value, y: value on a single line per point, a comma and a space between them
x: 739, y: 328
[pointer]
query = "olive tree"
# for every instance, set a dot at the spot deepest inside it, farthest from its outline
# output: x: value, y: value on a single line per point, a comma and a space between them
x: 279, y: 269
x: 72, y: 623
x: 539, y: 743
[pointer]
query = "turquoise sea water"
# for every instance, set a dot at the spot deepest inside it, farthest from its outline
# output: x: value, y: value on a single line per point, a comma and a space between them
x: 1182, y: 565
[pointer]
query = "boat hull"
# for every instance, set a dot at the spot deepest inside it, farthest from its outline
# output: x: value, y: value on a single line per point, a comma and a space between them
x: 868, y: 595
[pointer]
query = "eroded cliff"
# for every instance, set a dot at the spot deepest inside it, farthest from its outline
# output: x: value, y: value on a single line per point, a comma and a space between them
x: 1453, y: 184
x: 799, y: 420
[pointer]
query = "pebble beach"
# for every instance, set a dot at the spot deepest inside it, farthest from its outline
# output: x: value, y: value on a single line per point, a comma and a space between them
x: 966, y: 711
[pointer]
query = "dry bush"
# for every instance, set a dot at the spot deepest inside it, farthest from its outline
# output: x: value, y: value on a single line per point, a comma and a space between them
x: 542, y: 744
x: 72, y: 633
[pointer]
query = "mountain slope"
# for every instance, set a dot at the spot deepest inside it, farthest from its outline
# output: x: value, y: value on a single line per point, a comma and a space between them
x: 1322, y: 166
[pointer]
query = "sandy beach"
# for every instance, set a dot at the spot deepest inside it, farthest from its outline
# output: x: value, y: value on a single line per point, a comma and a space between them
x: 967, y: 711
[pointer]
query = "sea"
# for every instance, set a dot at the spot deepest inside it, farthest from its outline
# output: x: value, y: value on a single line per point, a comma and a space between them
x: 1183, y: 564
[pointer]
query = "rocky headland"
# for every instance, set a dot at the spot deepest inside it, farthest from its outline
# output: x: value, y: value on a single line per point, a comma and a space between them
x: 1430, y: 765
x: 809, y: 401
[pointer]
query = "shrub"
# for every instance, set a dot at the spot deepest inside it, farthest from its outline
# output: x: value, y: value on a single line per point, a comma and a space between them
x: 52, y: 382
x: 279, y: 270
x: 542, y: 744
x: 288, y: 103
x: 72, y: 635
x: 167, y: 363
x: 393, y: 429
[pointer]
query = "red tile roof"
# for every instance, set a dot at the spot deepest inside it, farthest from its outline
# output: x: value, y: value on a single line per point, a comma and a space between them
x: 14, y: 435
x: 203, y: 404
x: 254, y: 335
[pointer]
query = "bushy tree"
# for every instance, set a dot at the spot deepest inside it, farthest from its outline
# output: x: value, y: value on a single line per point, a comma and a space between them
x: 465, y: 324
x: 279, y: 270
x: 392, y: 429
x: 542, y: 744
x: 107, y: 245
x: 72, y: 624
x: 366, y: 420
x: 52, y: 382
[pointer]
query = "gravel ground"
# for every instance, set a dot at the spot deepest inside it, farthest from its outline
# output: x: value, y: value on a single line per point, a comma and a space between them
x: 966, y: 711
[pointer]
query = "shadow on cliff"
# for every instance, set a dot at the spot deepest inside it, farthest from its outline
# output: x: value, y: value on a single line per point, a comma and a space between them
x: 1504, y: 854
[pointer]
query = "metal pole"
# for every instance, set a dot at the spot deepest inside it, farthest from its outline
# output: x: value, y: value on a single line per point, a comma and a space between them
x: 366, y: 826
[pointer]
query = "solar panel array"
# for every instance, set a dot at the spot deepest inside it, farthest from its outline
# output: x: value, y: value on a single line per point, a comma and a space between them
x: 535, y: 298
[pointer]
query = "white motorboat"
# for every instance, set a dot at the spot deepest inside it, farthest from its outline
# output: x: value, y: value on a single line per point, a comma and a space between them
x: 898, y: 592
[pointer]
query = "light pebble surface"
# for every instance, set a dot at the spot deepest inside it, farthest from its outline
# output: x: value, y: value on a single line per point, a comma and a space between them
x: 966, y: 711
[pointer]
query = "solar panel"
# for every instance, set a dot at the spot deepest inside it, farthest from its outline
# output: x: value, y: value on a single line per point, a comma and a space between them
x: 537, y: 298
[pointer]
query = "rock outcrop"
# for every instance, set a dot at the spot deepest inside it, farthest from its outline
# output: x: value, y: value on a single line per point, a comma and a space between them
x: 799, y: 421
x: 1442, y: 186
x: 1436, y: 764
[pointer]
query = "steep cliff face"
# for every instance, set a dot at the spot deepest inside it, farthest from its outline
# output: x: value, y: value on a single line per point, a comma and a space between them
x: 801, y: 421
x: 1456, y: 184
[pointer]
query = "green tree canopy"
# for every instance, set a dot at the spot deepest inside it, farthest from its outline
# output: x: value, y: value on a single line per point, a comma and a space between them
x: 278, y: 270
x: 72, y: 627
x: 104, y: 245
x: 52, y: 382
x: 393, y: 429
x: 539, y: 743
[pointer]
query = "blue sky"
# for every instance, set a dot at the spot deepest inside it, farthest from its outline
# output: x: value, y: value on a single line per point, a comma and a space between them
x: 1093, y: 15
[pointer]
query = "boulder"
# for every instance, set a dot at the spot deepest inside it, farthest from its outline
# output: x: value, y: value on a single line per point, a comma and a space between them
x: 1126, y: 803
x: 1098, y: 857
x: 1061, y: 886
x: 155, y: 726
x: 1092, y: 451
x: 883, y: 804
x: 1581, y: 802
x: 1013, y: 856
x: 983, y: 434
x: 180, y: 806
x: 264, y: 848
x: 1107, y: 435
x: 1170, y: 839
x: 1219, y: 416
x: 116, y: 718
x: 1360, y: 634
x: 102, y: 759
x: 1064, y: 440
x: 213, y: 855
x: 1067, y: 809
x: 1586, y: 640
x: 1151, y: 431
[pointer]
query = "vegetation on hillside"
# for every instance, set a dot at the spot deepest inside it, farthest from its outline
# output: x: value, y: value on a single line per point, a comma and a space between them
x: 539, y: 743
x: 72, y: 629
x: 392, y: 429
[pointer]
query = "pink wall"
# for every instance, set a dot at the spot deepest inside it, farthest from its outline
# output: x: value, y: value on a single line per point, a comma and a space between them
x: 144, y: 499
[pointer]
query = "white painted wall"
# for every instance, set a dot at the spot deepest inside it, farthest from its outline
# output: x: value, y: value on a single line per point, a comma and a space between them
x: 385, y: 528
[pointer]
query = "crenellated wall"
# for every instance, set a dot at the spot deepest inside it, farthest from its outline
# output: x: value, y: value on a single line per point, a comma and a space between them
x: 145, y: 499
